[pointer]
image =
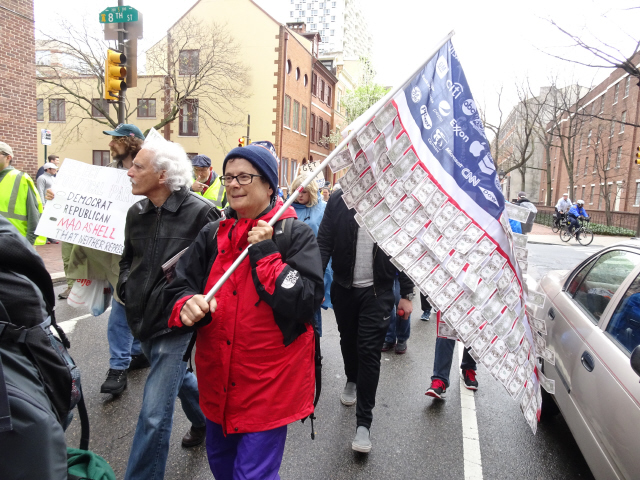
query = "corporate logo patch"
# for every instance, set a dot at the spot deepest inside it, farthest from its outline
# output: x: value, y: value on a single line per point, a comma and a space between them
x: 441, y: 67
x: 426, y: 119
x: 416, y: 94
x: 291, y: 279
x: 438, y: 140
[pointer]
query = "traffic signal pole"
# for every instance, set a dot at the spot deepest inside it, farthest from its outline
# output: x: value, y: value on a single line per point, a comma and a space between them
x: 122, y: 36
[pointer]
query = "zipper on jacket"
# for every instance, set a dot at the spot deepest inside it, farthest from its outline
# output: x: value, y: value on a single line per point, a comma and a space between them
x: 375, y: 250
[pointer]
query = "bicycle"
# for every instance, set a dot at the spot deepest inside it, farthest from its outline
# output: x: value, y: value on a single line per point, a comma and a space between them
x: 558, y: 222
x: 583, y: 234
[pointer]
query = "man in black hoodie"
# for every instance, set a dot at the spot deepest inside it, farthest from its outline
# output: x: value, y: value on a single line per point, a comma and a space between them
x: 362, y: 297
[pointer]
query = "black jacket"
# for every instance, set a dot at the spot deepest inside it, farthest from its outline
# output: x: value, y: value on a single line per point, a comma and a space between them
x: 337, y: 239
x: 152, y: 236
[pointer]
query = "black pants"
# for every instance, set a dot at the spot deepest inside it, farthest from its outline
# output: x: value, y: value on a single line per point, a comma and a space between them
x: 424, y: 303
x: 363, y: 319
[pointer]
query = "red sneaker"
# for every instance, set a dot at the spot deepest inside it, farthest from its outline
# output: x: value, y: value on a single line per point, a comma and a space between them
x: 469, y: 377
x: 437, y: 389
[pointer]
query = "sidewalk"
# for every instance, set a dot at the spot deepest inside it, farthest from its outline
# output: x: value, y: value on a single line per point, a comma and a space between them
x: 52, y: 256
x: 544, y: 236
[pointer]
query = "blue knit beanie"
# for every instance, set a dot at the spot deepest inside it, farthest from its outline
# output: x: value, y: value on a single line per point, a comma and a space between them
x: 261, y: 158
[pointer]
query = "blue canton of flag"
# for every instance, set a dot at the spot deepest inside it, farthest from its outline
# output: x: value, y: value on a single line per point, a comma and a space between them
x: 441, y: 104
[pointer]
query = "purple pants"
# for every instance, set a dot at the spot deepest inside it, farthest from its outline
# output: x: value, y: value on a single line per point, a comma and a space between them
x: 245, y: 456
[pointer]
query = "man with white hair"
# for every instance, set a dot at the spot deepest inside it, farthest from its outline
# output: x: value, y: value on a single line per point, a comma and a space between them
x: 45, y: 181
x: 158, y: 228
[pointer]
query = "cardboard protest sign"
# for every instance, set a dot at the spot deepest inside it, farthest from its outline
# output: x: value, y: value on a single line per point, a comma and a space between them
x: 90, y: 206
x: 308, y: 168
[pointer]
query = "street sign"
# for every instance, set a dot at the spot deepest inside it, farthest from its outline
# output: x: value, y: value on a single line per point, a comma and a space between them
x: 46, y: 137
x: 119, y: 15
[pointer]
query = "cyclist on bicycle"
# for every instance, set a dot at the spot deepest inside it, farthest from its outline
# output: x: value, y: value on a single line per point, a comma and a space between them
x: 575, y: 212
x: 564, y: 204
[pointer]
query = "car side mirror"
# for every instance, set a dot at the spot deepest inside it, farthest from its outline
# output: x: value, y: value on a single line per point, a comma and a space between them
x: 635, y: 360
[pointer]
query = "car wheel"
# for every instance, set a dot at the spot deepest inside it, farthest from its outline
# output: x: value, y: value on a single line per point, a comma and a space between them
x: 549, y: 409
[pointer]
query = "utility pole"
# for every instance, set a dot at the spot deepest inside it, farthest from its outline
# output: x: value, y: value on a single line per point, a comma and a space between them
x: 122, y: 36
x: 248, y: 128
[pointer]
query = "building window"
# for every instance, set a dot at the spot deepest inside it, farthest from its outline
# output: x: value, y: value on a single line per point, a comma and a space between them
x: 589, y: 138
x: 622, y: 120
x: 618, y: 157
x: 40, y: 109
x: 591, y: 195
x: 602, y: 104
x: 284, y: 167
x: 146, y: 108
x: 189, y: 62
x: 615, y: 93
x: 612, y: 129
x: 333, y: 18
x: 57, y: 110
x: 189, y: 118
x: 577, y: 168
x: 321, y: 95
x: 583, y: 191
x: 329, y: 102
x: 97, y: 103
x: 101, y: 158
x: 312, y: 127
x: 296, y: 115
x: 327, y: 127
x: 580, y: 144
x: 293, y: 171
x: 291, y: 14
x: 637, y: 202
x: 586, y: 165
x: 319, y: 131
x: 332, y: 32
x: 314, y: 84
x: 286, y: 118
x: 303, y: 120
x: 626, y: 87
x: 608, y: 166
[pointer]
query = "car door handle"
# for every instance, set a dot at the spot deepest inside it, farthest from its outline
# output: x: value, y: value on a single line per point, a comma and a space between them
x: 552, y: 314
x: 587, y: 361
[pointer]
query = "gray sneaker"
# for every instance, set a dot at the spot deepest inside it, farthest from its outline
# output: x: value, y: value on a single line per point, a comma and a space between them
x: 348, y: 396
x: 362, y: 442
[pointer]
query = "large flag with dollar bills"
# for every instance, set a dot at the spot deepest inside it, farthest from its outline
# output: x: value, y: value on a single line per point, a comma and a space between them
x: 423, y: 183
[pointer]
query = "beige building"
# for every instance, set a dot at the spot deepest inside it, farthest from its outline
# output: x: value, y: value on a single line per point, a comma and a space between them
x: 209, y: 120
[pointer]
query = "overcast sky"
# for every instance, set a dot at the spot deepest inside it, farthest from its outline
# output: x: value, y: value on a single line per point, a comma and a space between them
x: 499, y: 42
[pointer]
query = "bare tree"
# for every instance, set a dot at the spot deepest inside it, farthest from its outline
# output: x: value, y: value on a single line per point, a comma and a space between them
x: 495, y: 127
x: 212, y: 79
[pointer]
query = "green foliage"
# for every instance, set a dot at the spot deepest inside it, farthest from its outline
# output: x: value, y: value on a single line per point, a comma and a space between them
x: 357, y: 101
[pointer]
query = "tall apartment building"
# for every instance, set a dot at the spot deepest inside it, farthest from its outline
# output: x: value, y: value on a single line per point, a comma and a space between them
x: 341, y: 24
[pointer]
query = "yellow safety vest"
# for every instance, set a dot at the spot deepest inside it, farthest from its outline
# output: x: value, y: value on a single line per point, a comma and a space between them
x: 217, y: 194
x: 14, y: 190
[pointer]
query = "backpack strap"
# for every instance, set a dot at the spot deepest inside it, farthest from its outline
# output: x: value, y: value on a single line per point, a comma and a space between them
x: 5, y: 411
x: 84, y: 424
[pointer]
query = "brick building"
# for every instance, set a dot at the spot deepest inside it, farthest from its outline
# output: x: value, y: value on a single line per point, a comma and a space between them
x: 602, y: 138
x: 323, y: 87
x: 18, y: 83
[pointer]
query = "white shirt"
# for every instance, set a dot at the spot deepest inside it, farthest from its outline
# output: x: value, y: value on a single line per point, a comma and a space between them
x: 564, y: 205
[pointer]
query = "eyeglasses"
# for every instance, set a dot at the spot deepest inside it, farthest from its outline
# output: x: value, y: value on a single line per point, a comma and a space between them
x: 242, y: 179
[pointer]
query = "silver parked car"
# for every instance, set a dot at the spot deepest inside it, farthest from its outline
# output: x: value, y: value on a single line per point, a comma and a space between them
x: 593, y: 326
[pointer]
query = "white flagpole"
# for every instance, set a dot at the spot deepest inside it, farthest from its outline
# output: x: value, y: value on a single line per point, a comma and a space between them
x: 353, y: 129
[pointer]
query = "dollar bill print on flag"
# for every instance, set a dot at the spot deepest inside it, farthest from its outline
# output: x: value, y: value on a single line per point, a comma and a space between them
x: 423, y: 182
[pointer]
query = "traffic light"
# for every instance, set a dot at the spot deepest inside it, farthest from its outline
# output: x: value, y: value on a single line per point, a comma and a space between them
x: 114, y: 74
x: 241, y: 142
x: 638, y: 156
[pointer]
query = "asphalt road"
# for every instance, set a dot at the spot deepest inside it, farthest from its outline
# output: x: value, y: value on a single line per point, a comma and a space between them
x: 413, y: 436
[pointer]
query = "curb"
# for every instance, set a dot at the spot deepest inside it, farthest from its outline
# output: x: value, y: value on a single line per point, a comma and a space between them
x: 58, y: 278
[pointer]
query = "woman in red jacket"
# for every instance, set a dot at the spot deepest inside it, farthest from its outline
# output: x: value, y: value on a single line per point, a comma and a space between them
x: 255, y: 357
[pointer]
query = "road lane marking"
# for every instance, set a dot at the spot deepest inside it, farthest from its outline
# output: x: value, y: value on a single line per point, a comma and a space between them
x: 69, y: 325
x: 470, y: 439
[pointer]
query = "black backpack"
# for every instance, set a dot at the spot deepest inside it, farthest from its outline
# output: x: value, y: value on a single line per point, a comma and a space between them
x: 39, y: 382
x: 282, y: 239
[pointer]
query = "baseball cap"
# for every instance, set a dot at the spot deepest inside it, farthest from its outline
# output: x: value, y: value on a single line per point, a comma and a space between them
x: 6, y: 148
x: 49, y: 165
x: 125, y: 130
x: 522, y: 194
x: 201, y: 161
x: 565, y: 194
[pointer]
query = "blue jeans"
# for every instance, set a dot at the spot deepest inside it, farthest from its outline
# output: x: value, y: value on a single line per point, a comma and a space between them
x: 317, y: 317
x: 399, y: 328
x: 444, y: 358
x: 122, y: 345
x: 168, y: 378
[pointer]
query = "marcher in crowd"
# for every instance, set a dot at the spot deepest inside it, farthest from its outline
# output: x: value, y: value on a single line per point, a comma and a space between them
x: 523, y: 201
x: 255, y: 351
x: 44, y: 183
x: 50, y: 159
x: 158, y: 228
x: 207, y: 182
x: 442, y: 367
x: 125, y: 352
x: 362, y: 297
x: 326, y: 194
x: 20, y: 202
x: 426, y: 308
x: 310, y: 209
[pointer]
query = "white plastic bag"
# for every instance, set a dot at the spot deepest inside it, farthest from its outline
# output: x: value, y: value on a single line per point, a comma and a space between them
x: 92, y: 294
